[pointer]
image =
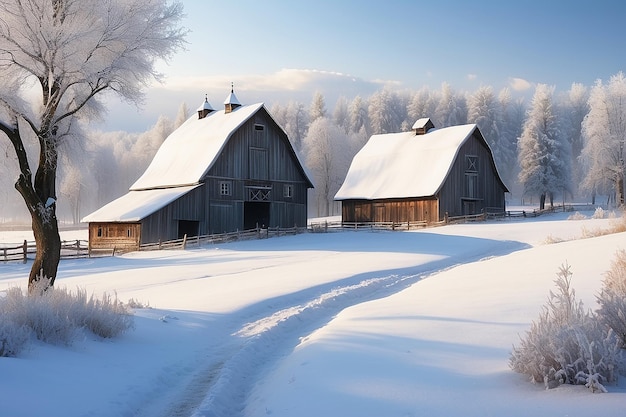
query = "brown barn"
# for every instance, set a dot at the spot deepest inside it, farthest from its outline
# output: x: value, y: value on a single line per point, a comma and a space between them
x: 220, y: 171
x: 422, y: 175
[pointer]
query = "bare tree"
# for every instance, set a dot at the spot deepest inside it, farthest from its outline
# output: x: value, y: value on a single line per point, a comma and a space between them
x: 327, y: 156
x: 68, y: 53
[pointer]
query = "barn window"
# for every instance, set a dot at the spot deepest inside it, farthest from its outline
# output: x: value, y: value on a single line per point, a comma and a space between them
x: 129, y: 232
x: 288, y: 191
x: 259, y: 127
x: 471, y: 181
x: 471, y: 163
x: 99, y: 231
x: 225, y: 188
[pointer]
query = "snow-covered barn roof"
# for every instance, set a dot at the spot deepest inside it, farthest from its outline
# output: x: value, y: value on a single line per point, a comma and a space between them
x: 403, y: 165
x: 137, y: 205
x: 189, y: 152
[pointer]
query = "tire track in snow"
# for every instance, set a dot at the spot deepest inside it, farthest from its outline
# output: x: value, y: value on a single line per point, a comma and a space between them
x: 269, y: 337
x: 220, y: 386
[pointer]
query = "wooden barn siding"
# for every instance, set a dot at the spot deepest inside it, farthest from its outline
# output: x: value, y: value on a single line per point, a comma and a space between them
x: 233, y: 165
x: 114, y: 235
x: 163, y: 224
x: 393, y: 210
x: 490, y: 190
x: 233, y: 162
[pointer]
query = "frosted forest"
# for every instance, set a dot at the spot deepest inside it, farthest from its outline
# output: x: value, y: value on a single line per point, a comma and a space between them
x: 552, y: 147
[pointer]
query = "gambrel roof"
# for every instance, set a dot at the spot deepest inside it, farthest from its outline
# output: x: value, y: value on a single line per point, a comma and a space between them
x: 189, y: 152
x: 181, y: 163
x: 404, y: 165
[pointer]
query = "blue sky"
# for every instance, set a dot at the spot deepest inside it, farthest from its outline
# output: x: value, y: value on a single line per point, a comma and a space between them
x: 281, y: 50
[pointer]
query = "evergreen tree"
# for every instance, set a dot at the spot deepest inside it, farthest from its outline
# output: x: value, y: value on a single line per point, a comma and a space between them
x: 604, y: 132
x: 544, y: 155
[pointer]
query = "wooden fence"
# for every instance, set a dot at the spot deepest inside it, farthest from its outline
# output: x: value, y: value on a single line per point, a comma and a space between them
x: 257, y: 233
x: 69, y: 249
x: 80, y: 248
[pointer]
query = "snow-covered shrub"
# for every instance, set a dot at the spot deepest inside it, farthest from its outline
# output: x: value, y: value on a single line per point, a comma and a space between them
x: 567, y: 344
x: 132, y: 303
x: 576, y: 216
x: 599, y: 213
x: 13, y: 338
x: 54, y: 315
x: 612, y: 297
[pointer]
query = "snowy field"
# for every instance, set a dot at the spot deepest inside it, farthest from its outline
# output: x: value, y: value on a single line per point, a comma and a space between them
x: 367, y: 324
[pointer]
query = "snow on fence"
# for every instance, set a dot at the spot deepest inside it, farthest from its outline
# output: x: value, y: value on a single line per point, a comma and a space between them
x: 69, y: 249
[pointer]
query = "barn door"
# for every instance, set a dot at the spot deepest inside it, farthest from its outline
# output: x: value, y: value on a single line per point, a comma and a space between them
x: 256, y: 213
x: 187, y: 227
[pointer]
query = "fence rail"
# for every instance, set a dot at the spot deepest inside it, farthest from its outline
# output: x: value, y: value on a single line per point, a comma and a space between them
x: 257, y: 233
x: 80, y: 248
x: 69, y: 249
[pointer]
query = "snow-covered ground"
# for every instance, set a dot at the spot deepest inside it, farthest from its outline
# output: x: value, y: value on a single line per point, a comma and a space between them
x: 365, y: 323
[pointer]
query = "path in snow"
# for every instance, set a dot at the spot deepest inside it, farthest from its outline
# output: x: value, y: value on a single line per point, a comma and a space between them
x: 264, y: 332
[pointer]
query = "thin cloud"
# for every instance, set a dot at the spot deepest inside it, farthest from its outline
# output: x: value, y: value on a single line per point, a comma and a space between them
x: 519, y: 84
x: 286, y: 79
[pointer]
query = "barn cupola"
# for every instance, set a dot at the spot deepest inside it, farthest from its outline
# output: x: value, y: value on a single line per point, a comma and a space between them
x: 422, y: 126
x: 205, y: 108
x: 231, y: 102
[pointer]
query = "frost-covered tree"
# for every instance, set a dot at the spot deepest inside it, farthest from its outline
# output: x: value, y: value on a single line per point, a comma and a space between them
x: 575, y: 108
x: 386, y: 111
x: 181, y: 116
x: 293, y: 119
x: 318, y: 107
x: 341, y: 115
x: 483, y: 109
x: 451, y: 109
x: 327, y: 156
x: 357, y: 113
x: 418, y: 106
x: 511, y: 119
x: 604, y: 133
x: 544, y: 155
x: 57, y: 58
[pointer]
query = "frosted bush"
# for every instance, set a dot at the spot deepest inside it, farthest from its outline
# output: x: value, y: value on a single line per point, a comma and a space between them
x: 54, y: 315
x: 567, y: 344
x: 599, y: 213
x: 13, y: 337
x: 612, y: 297
x: 576, y: 216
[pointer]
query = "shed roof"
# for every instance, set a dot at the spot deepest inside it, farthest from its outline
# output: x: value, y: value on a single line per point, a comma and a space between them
x: 137, y: 205
x: 403, y: 165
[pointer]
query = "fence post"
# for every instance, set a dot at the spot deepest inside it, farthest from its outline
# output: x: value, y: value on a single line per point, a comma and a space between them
x: 185, y: 241
x: 25, y: 247
x: 4, y: 251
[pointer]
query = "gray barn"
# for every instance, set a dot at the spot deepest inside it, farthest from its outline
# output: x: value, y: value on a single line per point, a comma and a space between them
x: 220, y: 171
x: 422, y: 175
